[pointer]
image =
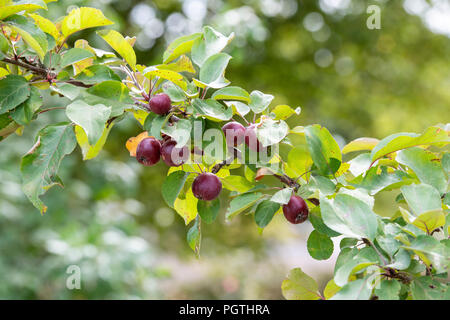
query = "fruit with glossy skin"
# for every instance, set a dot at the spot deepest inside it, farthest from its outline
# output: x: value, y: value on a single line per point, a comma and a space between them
x: 234, y: 133
x: 160, y: 104
x: 148, y: 151
x: 251, y: 140
x: 296, y: 210
x: 206, y: 186
x: 173, y: 156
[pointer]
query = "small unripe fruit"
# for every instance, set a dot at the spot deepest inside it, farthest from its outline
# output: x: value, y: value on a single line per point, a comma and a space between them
x: 234, y: 133
x: 160, y: 104
x: 296, y: 211
x: 251, y: 139
x: 173, y: 156
x: 148, y: 151
x: 206, y: 186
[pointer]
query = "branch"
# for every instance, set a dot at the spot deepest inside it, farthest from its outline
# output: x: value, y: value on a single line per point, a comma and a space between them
x: 34, y: 69
x: 42, y: 72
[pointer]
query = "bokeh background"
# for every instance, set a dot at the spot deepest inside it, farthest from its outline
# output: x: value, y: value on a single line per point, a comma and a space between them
x: 110, y: 218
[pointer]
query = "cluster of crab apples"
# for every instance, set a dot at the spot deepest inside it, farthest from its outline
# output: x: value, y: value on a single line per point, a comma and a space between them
x: 207, y: 186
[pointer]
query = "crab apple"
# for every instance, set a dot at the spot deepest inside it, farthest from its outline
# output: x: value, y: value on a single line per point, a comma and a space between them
x: 251, y: 140
x: 206, y: 186
x: 160, y: 104
x: 173, y: 156
x: 234, y: 133
x: 148, y: 151
x: 296, y: 211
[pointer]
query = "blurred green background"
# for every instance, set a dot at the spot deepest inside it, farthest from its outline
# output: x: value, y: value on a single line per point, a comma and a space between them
x: 110, y: 219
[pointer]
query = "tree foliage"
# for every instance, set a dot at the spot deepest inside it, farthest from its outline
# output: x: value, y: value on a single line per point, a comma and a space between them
x: 406, y: 256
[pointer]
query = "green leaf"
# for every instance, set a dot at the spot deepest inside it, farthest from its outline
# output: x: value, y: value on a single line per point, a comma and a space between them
x: 354, y: 290
x: 315, y: 217
x: 231, y: 93
x: 241, y: 203
x: 67, y: 90
x: 283, y: 112
x: 375, y: 182
x: 364, y: 259
x: 349, y: 216
x: 425, y: 202
x: 175, y: 93
x: 211, y: 109
x: 265, y: 211
x: 91, y: 118
x: 324, y: 149
x: 179, y: 131
x: 360, y: 144
x: 11, y: 8
x: 75, y: 55
x: 210, y: 43
x: 299, y: 160
x: 113, y: 94
x: 13, y: 91
x: 271, y: 131
x: 213, y: 70
x: 320, y: 246
x: 238, y: 107
x: 237, y: 183
x: 425, y: 288
x: 300, y: 286
x: 120, y: 45
x: 259, y: 101
x: 283, y: 196
x: 425, y: 166
x: 431, y: 252
x: 179, y: 47
x: 388, y: 290
x: 83, y: 18
x: 399, y: 141
x: 172, y: 186
x: 40, y: 165
x: 194, y: 237
x: 154, y: 123
x: 95, y: 74
x: 208, y: 210
x: 91, y: 151
x: 30, y: 33
x: 23, y: 114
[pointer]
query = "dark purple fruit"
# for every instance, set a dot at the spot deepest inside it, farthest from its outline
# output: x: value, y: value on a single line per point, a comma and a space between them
x: 234, y: 133
x: 172, y: 155
x: 206, y: 186
x: 148, y: 151
x: 160, y: 104
x: 296, y: 211
x: 251, y: 140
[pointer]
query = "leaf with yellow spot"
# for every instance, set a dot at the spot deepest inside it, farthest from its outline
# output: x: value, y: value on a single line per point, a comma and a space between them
x: 170, y: 75
x: 132, y: 143
x: 187, y: 208
x: 121, y: 45
x: 183, y: 64
x: 83, y: 18
x: 46, y: 26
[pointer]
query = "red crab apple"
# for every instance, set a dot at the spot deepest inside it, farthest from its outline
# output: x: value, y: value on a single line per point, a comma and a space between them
x: 251, y: 140
x: 296, y: 211
x: 148, y: 151
x: 234, y: 133
x: 173, y: 156
x: 206, y: 186
x: 160, y: 104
